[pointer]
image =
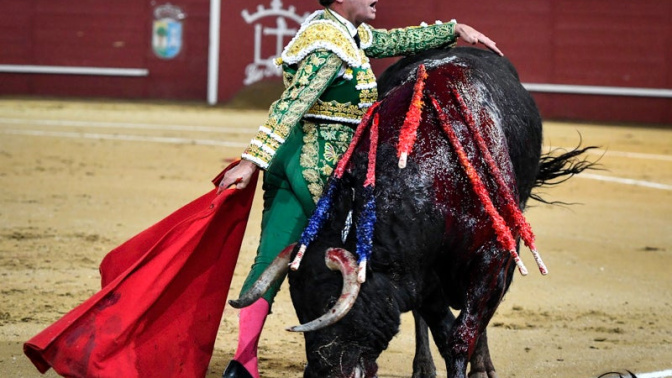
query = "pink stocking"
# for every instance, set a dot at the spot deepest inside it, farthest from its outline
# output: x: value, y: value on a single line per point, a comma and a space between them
x: 251, y: 322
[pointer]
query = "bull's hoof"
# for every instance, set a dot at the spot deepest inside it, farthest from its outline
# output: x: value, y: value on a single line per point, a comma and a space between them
x: 423, y: 368
x: 423, y: 373
x: 236, y: 370
x: 483, y: 374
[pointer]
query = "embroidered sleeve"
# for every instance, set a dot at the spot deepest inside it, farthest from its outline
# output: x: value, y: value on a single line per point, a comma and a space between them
x: 381, y: 43
x: 314, y: 75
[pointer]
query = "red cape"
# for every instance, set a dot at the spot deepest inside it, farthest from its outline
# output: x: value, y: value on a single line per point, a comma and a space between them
x: 162, y: 298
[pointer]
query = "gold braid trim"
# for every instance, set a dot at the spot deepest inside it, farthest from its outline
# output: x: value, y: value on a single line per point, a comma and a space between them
x: 322, y: 35
x: 335, y: 111
x: 366, y: 80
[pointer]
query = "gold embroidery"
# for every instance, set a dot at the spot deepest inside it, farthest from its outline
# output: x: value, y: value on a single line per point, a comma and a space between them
x: 367, y: 80
x: 309, y: 157
x: 328, y: 134
x: 309, y: 135
x: 368, y: 96
x: 308, y: 160
x: 310, y: 92
x: 316, y: 60
x: 330, y: 154
x: 257, y: 152
x: 316, y: 190
x: 311, y: 175
x: 280, y: 129
x: 327, y: 170
x: 304, y: 80
x: 365, y: 35
x: 311, y: 79
x: 287, y: 78
x: 317, y: 167
x: 366, y: 77
x: 336, y: 111
x: 294, y: 92
x: 322, y: 35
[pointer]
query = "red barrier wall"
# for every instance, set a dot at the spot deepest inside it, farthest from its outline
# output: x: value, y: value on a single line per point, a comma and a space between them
x: 577, y: 42
x: 94, y: 33
x: 599, y: 43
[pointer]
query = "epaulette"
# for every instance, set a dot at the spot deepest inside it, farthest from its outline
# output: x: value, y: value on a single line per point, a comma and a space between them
x: 365, y: 36
x: 321, y: 35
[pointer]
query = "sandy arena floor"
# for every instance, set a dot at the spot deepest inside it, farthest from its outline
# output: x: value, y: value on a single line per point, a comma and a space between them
x: 79, y: 178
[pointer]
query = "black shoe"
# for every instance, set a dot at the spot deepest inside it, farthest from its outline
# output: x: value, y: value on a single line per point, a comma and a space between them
x: 236, y: 370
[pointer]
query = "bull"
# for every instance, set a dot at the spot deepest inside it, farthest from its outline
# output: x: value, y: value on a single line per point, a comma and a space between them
x: 423, y: 214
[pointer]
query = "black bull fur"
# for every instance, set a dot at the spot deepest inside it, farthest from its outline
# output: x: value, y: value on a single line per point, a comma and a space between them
x: 434, y: 246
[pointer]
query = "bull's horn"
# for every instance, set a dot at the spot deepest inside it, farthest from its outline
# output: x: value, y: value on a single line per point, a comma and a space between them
x: 337, y: 259
x: 275, y: 271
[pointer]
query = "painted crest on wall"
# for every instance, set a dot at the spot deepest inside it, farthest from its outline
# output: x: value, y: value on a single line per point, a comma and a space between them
x: 262, y: 19
x: 167, y: 31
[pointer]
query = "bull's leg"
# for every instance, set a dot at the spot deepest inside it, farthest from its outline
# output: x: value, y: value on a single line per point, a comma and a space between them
x: 423, y: 364
x: 480, y: 364
x: 487, y: 281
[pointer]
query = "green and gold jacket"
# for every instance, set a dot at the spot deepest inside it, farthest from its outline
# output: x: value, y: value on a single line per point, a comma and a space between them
x: 328, y: 78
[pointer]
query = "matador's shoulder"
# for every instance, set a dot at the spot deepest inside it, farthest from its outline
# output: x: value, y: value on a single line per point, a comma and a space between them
x: 321, y: 33
x: 365, y: 32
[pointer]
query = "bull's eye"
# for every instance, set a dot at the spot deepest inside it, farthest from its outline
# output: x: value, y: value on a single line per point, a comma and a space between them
x: 330, y: 304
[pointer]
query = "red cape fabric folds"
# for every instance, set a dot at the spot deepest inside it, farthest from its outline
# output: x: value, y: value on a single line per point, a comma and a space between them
x: 162, y: 298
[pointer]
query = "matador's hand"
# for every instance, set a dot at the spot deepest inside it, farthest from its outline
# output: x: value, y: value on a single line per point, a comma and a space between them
x: 239, y: 176
x: 473, y: 36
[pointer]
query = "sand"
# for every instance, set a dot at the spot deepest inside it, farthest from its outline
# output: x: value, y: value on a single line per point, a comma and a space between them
x: 78, y: 178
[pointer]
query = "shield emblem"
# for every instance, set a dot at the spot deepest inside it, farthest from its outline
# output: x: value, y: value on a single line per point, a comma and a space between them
x: 167, y: 38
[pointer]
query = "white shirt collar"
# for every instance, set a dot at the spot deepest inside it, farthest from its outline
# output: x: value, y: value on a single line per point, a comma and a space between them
x: 351, y: 28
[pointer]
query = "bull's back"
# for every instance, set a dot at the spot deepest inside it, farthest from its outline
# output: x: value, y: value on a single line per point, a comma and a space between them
x: 478, y: 59
x: 470, y: 85
x: 489, y: 84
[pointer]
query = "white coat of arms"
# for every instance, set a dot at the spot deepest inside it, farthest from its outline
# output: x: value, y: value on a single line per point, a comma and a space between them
x: 167, y: 31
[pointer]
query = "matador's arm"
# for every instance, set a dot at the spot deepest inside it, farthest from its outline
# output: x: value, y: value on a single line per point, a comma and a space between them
x: 314, y: 74
x: 381, y: 43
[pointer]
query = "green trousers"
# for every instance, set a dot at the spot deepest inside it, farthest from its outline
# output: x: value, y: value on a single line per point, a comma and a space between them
x: 287, y: 208
x: 311, y: 151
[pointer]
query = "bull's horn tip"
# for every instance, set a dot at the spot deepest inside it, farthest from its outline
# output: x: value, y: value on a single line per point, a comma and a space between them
x: 292, y: 329
x: 235, y: 303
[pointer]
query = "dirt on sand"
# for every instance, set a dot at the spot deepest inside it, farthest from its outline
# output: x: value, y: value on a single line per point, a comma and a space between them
x: 79, y: 178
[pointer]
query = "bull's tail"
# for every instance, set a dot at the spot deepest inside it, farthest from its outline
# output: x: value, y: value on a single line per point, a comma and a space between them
x: 556, y: 167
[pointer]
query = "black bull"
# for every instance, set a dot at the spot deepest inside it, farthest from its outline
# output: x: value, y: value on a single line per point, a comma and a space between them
x: 434, y: 243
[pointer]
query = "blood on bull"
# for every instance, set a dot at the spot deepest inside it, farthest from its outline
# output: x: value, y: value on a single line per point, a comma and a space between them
x: 424, y: 213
